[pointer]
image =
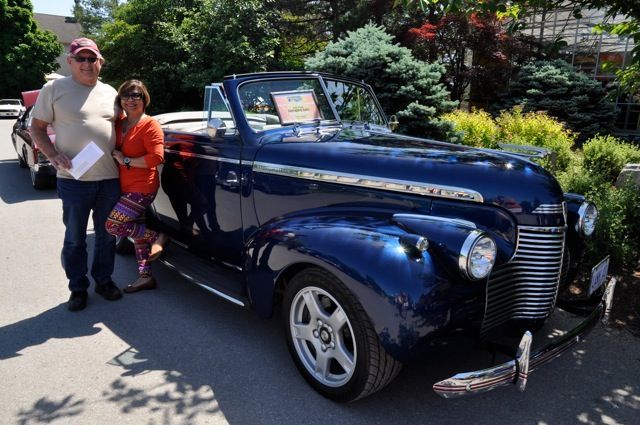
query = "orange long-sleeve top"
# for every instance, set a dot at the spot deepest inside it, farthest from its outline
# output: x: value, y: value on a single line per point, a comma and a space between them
x: 145, y: 139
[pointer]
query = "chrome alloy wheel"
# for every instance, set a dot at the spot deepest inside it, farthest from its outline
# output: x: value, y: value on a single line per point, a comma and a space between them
x: 322, y: 336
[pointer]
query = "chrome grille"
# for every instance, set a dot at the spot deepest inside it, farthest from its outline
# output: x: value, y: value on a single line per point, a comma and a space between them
x: 550, y: 209
x: 526, y: 287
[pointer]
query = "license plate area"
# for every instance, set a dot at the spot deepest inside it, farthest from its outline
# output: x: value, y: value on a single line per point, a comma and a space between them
x: 598, y: 275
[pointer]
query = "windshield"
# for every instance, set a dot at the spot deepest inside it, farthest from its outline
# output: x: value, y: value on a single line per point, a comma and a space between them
x: 273, y: 103
x: 284, y: 101
x: 354, y: 102
x: 10, y: 102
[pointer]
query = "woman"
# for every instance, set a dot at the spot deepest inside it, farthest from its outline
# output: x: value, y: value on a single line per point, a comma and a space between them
x: 139, y: 150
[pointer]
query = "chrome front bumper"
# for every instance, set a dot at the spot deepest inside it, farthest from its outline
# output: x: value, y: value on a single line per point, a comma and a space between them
x: 517, y: 370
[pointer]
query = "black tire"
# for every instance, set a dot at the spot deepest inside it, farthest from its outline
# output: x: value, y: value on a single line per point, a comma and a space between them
x: 21, y: 159
x: 124, y: 246
x: 40, y: 181
x: 321, y: 338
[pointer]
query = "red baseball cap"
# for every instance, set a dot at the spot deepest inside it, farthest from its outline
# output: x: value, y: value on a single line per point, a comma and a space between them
x: 80, y: 44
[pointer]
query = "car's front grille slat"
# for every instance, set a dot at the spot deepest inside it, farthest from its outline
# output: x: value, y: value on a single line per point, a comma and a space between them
x: 527, y: 286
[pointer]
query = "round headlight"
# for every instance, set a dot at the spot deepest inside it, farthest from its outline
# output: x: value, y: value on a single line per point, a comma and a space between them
x: 588, y: 215
x: 477, y: 256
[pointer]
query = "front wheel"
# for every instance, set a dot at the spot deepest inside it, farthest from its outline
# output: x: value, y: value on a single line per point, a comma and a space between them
x: 331, y: 339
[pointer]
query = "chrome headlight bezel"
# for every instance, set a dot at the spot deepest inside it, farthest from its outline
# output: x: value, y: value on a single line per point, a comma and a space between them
x: 587, y: 219
x: 475, y: 242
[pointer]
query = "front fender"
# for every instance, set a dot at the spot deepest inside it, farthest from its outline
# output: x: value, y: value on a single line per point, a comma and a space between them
x: 407, y: 297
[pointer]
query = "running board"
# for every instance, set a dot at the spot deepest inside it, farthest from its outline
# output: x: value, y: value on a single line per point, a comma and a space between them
x: 219, y: 280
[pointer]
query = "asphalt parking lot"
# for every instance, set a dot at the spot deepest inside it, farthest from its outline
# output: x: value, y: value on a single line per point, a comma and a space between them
x: 178, y: 355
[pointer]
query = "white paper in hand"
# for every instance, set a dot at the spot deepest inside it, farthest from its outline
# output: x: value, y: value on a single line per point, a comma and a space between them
x: 85, y: 160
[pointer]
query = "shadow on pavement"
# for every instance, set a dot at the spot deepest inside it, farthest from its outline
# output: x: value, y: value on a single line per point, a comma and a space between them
x: 46, y: 410
x: 53, y: 323
x: 215, y: 360
x: 15, y: 184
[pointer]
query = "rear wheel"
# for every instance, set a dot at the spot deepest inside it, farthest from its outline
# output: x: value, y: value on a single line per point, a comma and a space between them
x: 331, y: 339
x: 40, y: 181
x: 22, y: 159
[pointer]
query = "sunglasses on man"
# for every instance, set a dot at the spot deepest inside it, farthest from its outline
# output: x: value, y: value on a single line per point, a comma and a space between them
x: 80, y: 59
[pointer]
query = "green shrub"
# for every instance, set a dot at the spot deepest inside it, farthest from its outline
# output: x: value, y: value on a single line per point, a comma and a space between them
x: 576, y: 180
x: 590, y: 173
x: 541, y: 130
x: 618, y: 229
x: 607, y: 155
x: 477, y: 128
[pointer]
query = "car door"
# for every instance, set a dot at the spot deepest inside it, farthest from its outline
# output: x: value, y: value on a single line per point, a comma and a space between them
x: 199, y: 202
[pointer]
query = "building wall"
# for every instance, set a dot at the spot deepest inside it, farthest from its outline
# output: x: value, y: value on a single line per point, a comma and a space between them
x: 66, y: 29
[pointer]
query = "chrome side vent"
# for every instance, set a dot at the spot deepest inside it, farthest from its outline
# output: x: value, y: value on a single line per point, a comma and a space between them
x: 526, y: 287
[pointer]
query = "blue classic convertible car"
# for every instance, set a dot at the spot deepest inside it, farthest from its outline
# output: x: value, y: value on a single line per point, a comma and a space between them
x: 295, y: 197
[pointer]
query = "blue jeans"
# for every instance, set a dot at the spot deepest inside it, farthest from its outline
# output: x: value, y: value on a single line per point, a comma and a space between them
x: 78, y: 200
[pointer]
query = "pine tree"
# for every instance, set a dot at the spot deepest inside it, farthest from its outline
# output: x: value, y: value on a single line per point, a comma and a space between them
x: 564, y: 93
x: 405, y: 86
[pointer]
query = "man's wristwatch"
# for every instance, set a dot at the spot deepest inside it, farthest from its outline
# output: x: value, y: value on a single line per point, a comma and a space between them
x: 127, y: 162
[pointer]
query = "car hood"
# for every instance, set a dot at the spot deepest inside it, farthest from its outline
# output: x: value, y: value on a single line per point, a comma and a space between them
x: 500, y: 178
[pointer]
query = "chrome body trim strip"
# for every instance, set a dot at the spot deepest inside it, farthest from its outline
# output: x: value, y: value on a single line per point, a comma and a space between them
x: 446, y: 220
x: 517, y: 371
x: 371, y: 182
x: 209, y: 157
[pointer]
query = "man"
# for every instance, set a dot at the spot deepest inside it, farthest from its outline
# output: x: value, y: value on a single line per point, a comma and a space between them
x: 82, y: 109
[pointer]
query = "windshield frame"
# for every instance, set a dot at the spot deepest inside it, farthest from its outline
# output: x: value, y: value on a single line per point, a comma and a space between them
x: 320, y: 80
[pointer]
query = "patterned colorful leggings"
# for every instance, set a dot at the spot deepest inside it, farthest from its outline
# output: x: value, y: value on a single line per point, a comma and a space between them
x: 127, y: 219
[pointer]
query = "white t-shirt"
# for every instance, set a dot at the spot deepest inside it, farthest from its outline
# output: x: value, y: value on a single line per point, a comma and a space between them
x: 80, y: 114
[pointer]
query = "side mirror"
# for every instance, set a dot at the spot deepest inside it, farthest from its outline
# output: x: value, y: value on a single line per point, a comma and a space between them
x: 216, y: 128
x: 393, y: 123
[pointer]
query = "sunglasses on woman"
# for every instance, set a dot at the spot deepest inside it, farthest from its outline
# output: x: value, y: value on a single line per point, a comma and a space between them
x: 132, y: 96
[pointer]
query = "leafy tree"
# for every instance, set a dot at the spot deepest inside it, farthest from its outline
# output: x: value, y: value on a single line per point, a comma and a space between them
x: 146, y: 41
x: 306, y: 27
x: 623, y: 7
x: 570, y: 96
x: 331, y: 19
x: 92, y: 14
x: 245, y: 43
x: 178, y: 46
x: 628, y: 77
x: 26, y: 52
x: 453, y: 37
x: 405, y: 86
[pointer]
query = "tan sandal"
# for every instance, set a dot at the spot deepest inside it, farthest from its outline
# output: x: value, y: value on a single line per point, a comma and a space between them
x: 158, y: 246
